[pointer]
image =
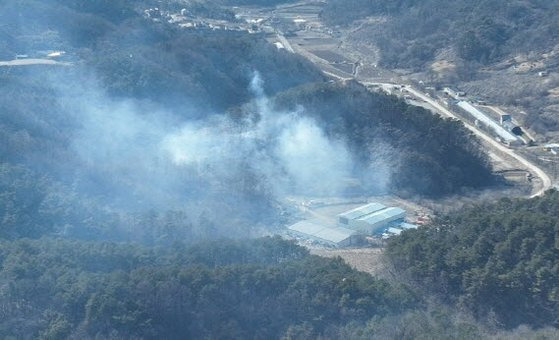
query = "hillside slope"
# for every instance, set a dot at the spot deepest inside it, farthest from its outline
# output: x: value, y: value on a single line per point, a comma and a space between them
x: 140, y: 138
x: 481, y: 31
x: 493, y: 50
x: 499, y: 260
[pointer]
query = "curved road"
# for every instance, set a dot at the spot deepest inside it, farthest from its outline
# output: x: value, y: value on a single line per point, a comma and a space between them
x: 534, y: 169
x: 547, y: 183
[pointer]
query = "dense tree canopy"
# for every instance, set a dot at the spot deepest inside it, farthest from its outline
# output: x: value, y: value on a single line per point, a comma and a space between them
x: 499, y: 259
x: 65, y: 201
x: 251, y: 289
x: 134, y: 57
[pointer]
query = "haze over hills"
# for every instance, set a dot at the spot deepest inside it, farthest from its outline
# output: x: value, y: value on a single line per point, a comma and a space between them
x: 415, y: 32
x: 144, y: 166
x: 494, y: 50
x: 113, y: 128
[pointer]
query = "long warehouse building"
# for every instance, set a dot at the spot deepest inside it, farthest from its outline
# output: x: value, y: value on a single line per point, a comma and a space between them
x: 332, y: 236
x: 372, y: 218
x: 505, y: 135
x: 353, y: 226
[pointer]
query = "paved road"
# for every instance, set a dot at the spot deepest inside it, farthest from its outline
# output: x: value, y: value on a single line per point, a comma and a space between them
x: 285, y: 42
x: 533, y: 168
x: 493, y: 146
x: 546, y: 180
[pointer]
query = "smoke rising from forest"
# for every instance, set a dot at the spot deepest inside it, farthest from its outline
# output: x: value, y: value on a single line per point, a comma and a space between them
x: 157, y: 155
x: 287, y: 150
x: 138, y: 157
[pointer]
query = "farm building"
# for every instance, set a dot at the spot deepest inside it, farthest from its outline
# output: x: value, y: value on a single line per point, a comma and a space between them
x: 553, y: 148
x: 507, y: 123
x: 359, y: 212
x: 332, y: 236
x: 507, y: 137
x: 353, y: 226
x: 453, y: 93
x: 371, y: 218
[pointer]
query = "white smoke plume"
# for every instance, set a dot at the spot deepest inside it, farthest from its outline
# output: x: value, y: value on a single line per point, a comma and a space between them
x: 135, y: 157
x: 228, y: 175
x: 287, y: 149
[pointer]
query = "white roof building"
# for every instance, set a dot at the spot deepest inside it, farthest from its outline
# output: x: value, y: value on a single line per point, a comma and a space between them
x: 482, y: 117
x: 332, y: 236
x: 407, y: 226
x: 359, y: 212
x: 371, y: 218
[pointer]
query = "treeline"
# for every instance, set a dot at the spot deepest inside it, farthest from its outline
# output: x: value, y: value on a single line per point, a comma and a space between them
x: 266, y: 288
x: 480, y: 32
x: 423, y: 154
x: 498, y: 260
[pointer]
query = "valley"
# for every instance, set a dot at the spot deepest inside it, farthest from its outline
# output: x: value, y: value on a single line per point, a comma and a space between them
x: 343, y: 59
x: 279, y: 169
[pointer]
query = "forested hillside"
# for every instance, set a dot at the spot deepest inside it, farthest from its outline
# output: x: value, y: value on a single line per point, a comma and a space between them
x: 78, y: 142
x: 86, y: 148
x: 415, y: 32
x: 137, y: 172
x: 134, y: 57
x: 263, y: 289
x: 499, y: 260
x: 266, y: 288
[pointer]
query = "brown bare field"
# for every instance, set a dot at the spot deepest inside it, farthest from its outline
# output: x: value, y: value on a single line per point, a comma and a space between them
x: 368, y: 260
